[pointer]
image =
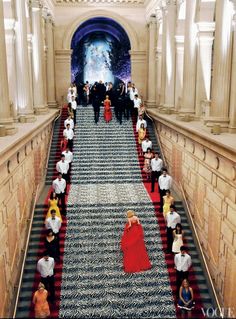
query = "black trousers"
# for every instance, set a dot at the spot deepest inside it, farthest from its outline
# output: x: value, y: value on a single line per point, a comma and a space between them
x: 49, y: 283
x: 74, y: 112
x: 66, y: 177
x: 154, y: 176
x: 61, y: 198
x: 96, y: 113
x: 70, y: 144
x: 169, y: 234
x: 162, y: 193
x: 180, y: 276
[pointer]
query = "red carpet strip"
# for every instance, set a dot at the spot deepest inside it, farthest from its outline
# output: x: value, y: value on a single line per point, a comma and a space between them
x: 54, y: 308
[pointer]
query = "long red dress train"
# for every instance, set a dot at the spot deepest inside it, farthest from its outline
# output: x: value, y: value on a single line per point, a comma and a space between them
x: 135, y: 256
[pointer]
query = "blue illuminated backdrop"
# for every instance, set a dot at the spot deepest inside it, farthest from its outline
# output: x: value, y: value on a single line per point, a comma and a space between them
x: 100, y: 52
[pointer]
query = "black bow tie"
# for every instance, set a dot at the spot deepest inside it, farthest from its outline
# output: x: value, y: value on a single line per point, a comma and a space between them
x: 53, y: 218
x: 182, y: 255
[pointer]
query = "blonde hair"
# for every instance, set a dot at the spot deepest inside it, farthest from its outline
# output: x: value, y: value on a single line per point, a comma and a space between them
x: 130, y: 213
x: 41, y: 285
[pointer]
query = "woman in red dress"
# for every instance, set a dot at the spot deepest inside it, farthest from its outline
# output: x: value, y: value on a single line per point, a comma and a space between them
x: 107, y: 109
x: 135, y: 257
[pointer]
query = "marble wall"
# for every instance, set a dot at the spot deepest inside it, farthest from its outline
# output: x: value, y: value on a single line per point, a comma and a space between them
x: 22, y: 169
x: 207, y: 172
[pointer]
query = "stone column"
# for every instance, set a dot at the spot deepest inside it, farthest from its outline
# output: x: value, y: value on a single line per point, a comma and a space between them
x: 171, y: 8
x: 179, y: 44
x: 24, y: 93
x: 45, y: 51
x: 5, y: 111
x: 204, y: 62
x: 219, y: 110
x: 163, y: 58
x: 232, y: 106
x: 151, y: 101
x: 158, y: 55
x: 38, y: 57
x: 189, y: 82
x: 51, y: 89
x: 11, y: 65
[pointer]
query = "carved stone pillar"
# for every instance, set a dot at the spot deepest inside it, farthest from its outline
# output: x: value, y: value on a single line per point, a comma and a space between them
x: 204, y: 62
x: 11, y: 65
x: 5, y: 111
x: 38, y: 57
x: 171, y: 10
x: 190, y: 46
x: 179, y: 45
x: 158, y: 55
x: 24, y: 92
x: 232, y: 106
x: 51, y: 89
x: 163, y: 57
x: 219, y: 111
x: 152, y: 27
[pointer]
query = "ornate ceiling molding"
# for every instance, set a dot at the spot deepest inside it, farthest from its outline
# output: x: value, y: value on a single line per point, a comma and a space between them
x: 102, y: 2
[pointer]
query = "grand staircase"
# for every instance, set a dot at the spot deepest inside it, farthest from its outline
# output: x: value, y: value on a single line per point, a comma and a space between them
x: 106, y: 182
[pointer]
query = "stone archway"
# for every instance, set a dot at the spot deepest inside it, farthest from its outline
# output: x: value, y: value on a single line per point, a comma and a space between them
x: 66, y: 45
x: 63, y: 56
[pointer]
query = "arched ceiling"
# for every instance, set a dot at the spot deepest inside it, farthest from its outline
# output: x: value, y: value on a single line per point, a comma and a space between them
x: 101, y: 24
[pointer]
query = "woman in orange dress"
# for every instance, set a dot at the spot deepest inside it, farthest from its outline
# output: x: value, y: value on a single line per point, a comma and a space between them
x: 107, y: 109
x: 41, y: 306
x: 135, y: 256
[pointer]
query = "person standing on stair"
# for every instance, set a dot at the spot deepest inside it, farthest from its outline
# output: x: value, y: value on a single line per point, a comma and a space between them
x: 59, y: 186
x: 165, y: 183
x: 68, y: 133
x: 183, y: 262
x: 107, y: 109
x: 54, y: 223
x: 74, y: 107
x: 41, y: 306
x: 156, y: 165
x: 172, y: 219
x: 70, y: 121
x: 45, y: 267
x: 63, y: 167
x: 146, y: 144
x: 139, y: 122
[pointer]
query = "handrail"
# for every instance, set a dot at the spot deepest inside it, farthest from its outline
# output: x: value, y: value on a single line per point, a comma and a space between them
x: 36, y: 193
x: 193, y: 227
x: 25, y: 251
x: 201, y: 250
x: 50, y: 142
x: 157, y: 137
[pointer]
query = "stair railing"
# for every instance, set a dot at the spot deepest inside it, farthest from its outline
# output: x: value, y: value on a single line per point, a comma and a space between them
x: 186, y: 205
x: 209, y: 279
x: 35, y: 195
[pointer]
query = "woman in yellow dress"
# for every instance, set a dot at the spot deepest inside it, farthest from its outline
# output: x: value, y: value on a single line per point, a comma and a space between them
x: 168, y: 200
x: 141, y: 137
x: 52, y: 204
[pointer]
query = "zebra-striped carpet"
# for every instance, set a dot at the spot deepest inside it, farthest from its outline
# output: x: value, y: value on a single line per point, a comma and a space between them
x: 106, y: 182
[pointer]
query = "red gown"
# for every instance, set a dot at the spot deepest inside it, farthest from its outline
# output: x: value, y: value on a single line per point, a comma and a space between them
x: 135, y: 256
x: 107, y: 110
